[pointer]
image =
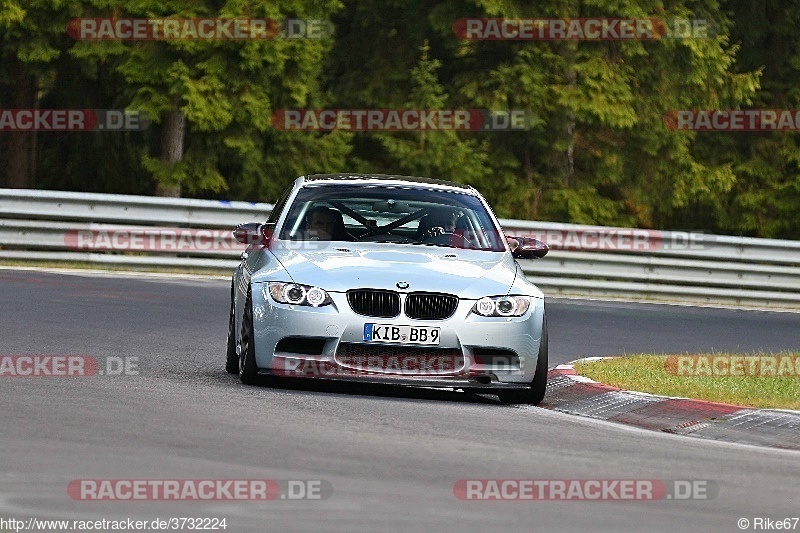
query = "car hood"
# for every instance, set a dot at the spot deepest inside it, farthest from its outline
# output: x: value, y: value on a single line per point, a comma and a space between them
x: 470, y: 274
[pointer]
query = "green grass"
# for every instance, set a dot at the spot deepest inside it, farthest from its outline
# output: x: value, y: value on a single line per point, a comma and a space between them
x: 651, y: 373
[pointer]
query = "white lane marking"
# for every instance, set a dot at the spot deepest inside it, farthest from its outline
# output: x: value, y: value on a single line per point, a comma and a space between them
x: 118, y: 273
x: 589, y: 301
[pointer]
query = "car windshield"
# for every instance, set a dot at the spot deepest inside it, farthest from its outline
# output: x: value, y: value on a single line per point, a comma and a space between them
x: 396, y: 214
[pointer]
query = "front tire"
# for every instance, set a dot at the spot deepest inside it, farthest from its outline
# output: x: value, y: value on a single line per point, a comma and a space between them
x: 231, y: 357
x: 535, y: 394
x: 248, y: 371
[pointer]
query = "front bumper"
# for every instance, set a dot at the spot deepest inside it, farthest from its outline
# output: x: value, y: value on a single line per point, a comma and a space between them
x: 474, y: 352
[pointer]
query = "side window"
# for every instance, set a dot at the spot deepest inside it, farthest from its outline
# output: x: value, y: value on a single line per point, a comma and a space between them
x: 279, y: 205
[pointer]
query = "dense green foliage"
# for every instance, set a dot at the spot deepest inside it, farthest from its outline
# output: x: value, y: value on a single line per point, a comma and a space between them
x: 597, y: 150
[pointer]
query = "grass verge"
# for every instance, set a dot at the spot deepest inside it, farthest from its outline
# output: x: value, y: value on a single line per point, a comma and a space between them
x: 753, y: 380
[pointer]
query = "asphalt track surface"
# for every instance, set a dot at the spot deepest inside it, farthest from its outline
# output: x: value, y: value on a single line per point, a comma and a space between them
x: 392, y: 456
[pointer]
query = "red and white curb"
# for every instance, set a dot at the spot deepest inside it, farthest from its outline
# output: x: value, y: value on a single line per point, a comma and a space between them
x: 572, y: 393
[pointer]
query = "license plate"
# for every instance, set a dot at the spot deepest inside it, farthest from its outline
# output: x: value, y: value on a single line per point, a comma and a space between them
x: 401, y: 334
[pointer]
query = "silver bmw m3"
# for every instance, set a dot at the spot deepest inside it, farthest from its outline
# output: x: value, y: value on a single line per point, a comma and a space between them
x: 388, y: 279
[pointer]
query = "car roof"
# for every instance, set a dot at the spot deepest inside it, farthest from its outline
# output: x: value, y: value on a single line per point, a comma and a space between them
x: 388, y: 179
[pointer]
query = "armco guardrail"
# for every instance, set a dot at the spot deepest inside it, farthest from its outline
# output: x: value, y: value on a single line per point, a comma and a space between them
x: 590, y: 261
x: 125, y: 209
x: 669, y: 266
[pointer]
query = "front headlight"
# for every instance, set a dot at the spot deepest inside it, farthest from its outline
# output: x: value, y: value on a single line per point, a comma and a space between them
x: 296, y: 294
x: 502, y: 306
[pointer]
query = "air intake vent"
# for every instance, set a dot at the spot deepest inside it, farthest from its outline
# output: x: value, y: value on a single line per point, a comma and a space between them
x: 404, y: 360
x: 430, y: 305
x: 377, y: 303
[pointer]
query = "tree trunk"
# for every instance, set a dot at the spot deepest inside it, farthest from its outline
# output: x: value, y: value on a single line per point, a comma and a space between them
x: 533, y: 207
x: 21, y: 144
x: 172, y: 133
x: 569, y: 171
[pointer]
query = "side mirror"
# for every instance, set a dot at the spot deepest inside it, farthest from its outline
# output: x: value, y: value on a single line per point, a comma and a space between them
x: 254, y: 233
x: 527, y: 247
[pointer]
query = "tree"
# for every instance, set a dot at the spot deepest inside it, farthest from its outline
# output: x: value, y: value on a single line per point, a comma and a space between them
x: 33, y: 39
x: 600, y: 152
x: 212, y: 100
x: 441, y: 154
x: 766, y: 197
